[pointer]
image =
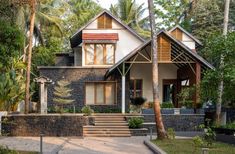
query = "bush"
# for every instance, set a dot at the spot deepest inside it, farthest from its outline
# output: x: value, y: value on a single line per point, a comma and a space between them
x: 171, y: 133
x: 135, y: 122
x: 167, y: 105
x: 87, y: 111
x: 138, y: 101
x: 7, y: 150
x: 198, y: 141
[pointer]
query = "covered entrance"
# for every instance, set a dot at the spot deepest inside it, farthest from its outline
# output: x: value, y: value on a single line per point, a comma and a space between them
x: 179, y: 66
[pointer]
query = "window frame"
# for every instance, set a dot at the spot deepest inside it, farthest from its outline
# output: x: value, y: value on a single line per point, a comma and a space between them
x: 104, y: 92
x: 142, y: 88
x: 95, y: 53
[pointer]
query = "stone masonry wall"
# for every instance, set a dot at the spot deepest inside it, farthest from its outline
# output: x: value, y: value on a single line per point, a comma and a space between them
x: 78, y: 76
x: 50, y: 125
x: 182, y: 122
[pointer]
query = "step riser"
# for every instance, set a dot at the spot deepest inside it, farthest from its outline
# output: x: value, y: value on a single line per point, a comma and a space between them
x: 111, y: 135
x: 111, y: 124
x: 106, y: 132
x: 108, y: 119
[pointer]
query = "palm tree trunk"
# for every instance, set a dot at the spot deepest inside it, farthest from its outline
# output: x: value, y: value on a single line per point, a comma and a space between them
x: 221, y: 67
x: 161, y: 133
x: 28, y: 70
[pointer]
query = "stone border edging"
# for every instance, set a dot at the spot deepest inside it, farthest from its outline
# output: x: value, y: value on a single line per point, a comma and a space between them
x: 155, y: 149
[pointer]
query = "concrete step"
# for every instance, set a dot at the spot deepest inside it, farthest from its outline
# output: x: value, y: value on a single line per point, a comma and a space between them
x: 110, y: 124
x: 107, y: 135
x: 106, y: 132
x: 109, y: 121
x: 109, y: 117
x: 105, y: 127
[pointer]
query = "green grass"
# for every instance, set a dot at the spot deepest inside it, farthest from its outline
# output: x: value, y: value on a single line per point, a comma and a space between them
x: 183, y: 146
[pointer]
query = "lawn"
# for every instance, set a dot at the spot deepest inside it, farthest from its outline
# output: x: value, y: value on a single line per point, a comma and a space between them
x: 180, y: 146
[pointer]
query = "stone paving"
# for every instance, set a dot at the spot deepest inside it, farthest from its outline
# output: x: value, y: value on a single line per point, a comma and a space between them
x: 75, y: 145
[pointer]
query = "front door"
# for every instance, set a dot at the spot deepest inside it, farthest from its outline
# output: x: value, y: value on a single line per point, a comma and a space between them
x: 170, y: 91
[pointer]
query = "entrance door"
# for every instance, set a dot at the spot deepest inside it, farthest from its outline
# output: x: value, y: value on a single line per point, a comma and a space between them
x: 170, y: 91
x: 136, y: 88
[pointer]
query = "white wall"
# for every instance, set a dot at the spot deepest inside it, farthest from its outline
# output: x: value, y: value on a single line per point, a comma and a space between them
x: 188, y: 41
x: 144, y: 71
x: 127, y: 41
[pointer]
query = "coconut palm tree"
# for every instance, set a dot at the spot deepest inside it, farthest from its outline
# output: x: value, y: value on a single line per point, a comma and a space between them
x: 131, y: 14
x: 161, y: 133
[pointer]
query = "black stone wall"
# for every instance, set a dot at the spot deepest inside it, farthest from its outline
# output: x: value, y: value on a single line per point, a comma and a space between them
x: 182, y: 122
x: 78, y: 76
x: 50, y: 125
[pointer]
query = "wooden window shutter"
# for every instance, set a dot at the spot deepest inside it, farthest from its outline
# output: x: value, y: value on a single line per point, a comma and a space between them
x: 101, y: 22
x: 108, y: 22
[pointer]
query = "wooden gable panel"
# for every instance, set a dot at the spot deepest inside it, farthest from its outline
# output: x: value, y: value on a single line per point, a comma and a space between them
x: 100, y: 23
x: 104, y: 22
x: 178, y: 34
x: 108, y: 22
x: 164, y: 49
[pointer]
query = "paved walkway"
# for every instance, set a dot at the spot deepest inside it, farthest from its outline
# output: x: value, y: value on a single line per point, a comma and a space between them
x: 74, y: 145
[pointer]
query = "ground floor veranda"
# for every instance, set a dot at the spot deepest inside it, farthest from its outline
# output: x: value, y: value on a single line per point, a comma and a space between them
x: 179, y: 72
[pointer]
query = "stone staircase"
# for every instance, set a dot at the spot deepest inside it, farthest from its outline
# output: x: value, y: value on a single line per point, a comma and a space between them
x: 107, y: 125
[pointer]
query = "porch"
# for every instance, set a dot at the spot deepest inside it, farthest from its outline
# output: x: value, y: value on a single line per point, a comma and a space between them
x: 179, y: 67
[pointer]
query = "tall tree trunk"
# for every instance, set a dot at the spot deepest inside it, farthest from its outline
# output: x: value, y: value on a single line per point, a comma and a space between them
x: 32, y: 4
x: 161, y: 133
x: 221, y: 67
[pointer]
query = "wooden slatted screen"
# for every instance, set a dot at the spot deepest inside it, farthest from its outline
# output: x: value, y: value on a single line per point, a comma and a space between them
x: 104, y: 22
x: 177, y: 33
x: 108, y: 22
x: 164, y: 49
x: 101, y: 22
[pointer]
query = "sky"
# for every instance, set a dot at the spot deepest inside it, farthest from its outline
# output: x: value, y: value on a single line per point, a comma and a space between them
x: 106, y: 4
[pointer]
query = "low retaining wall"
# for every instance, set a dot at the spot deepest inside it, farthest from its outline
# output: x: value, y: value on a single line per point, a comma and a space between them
x: 182, y: 122
x: 50, y: 125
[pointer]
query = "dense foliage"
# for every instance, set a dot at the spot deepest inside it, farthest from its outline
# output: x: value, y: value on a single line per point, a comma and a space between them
x: 11, y: 66
x: 214, y: 47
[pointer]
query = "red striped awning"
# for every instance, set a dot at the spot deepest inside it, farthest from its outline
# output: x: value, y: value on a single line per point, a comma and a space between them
x: 100, y: 36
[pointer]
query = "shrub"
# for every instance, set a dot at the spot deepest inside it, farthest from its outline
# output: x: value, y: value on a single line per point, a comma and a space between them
x: 87, y: 111
x: 135, y: 122
x: 167, y: 105
x: 197, y: 141
x: 209, y: 135
x: 171, y: 133
x: 138, y: 101
x: 7, y: 150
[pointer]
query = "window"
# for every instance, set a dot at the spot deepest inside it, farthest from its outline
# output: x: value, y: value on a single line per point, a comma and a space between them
x: 136, y: 88
x: 100, y: 93
x: 104, y: 22
x: 99, y: 54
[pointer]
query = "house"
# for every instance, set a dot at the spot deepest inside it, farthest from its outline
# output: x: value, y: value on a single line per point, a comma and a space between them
x: 110, y: 63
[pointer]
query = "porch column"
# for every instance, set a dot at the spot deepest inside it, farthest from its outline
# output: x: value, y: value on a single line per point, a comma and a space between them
x: 123, y: 92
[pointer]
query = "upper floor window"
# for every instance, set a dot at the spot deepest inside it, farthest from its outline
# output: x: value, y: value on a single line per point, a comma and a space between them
x: 104, y: 22
x: 99, y: 54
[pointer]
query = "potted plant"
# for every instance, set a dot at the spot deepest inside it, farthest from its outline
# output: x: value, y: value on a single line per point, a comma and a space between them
x: 148, y: 108
x: 167, y: 108
x: 136, y: 104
